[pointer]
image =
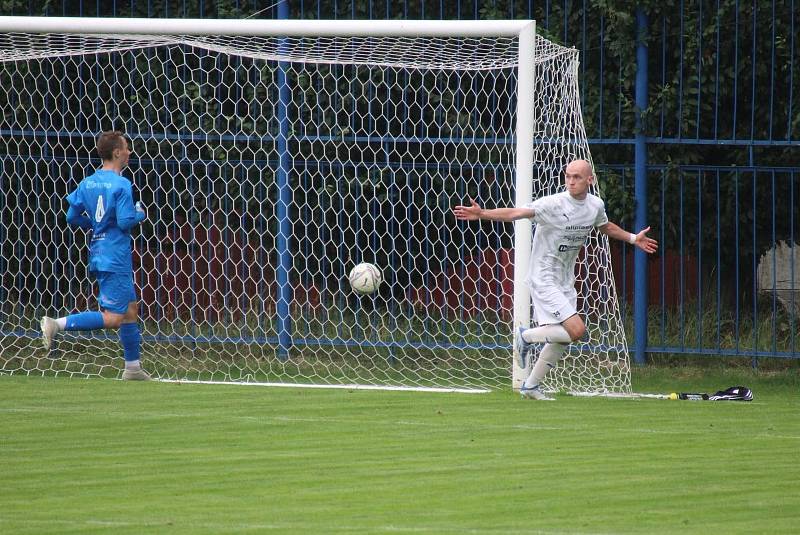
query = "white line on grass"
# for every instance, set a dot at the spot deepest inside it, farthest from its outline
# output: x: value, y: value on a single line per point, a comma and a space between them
x: 336, y: 386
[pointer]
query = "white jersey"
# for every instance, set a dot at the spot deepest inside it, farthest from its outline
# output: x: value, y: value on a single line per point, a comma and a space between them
x: 562, y: 226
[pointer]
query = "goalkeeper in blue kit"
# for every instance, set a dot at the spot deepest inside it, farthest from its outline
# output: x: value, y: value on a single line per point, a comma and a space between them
x: 103, y: 203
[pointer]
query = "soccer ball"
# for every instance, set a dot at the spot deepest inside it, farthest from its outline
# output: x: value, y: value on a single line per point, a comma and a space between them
x: 365, y: 278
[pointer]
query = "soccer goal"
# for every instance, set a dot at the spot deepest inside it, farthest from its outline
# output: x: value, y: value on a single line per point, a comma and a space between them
x: 273, y: 156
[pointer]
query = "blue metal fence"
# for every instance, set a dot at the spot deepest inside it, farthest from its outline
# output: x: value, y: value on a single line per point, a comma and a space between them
x: 694, y: 106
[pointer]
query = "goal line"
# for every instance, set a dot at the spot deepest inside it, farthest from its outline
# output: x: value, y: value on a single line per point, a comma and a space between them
x: 388, y: 388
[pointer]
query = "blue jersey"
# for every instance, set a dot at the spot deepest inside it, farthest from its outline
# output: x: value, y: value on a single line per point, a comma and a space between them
x: 107, y: 198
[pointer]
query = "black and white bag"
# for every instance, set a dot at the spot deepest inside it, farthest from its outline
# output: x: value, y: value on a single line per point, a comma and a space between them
x: 734, y: 393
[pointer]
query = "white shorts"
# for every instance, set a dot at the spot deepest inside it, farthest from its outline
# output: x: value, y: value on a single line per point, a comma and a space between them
x: 552, y: 304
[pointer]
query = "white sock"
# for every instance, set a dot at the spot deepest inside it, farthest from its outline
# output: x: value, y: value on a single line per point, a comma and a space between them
x: 62, y: 323
x: 548, y: 358
x: 546, y: 334
x: 133, y: 364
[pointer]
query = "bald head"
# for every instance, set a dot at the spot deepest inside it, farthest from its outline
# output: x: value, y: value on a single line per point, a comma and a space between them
x: 578, y: 177
x: 581, y: 167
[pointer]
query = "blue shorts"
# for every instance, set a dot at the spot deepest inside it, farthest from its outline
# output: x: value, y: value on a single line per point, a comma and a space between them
x: 116, y: 291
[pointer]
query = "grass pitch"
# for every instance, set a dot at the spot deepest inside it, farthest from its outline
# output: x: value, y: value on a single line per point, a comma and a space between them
x: 102, y: 456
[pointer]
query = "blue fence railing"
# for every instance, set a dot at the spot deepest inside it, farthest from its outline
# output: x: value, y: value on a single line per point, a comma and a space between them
x: 718, y: 227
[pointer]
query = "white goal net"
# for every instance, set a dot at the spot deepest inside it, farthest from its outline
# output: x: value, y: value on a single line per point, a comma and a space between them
x: 269, y: 167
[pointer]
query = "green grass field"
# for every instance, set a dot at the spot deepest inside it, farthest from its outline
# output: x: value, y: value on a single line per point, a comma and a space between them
x: 102, y: 456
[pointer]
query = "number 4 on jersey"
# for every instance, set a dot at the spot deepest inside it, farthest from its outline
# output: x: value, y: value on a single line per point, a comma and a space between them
x: 100, y: 211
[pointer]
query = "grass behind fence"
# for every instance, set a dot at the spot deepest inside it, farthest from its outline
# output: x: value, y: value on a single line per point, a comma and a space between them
x: 98, y: 456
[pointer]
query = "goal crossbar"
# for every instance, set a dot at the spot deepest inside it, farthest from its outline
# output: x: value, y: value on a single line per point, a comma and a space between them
x: 277, y: 28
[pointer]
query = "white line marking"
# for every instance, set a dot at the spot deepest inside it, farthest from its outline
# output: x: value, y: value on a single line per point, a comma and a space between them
x: 335, y: 386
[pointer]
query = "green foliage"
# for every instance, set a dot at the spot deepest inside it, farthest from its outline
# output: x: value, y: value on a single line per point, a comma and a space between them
x: 703, y: 64
x: 27, y: 7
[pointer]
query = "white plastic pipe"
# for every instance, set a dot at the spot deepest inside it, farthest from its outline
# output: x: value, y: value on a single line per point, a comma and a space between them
x: 278, y: 28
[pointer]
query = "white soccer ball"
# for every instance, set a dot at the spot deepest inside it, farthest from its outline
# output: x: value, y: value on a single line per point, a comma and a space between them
x: 365, y: 278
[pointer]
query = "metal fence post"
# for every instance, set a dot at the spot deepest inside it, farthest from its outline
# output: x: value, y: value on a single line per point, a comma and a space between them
x: 640, y: 165
x: 283, y: 245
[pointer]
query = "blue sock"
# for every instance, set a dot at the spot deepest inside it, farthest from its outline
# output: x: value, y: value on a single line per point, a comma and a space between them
x: 85, y: 321
x: 131, y: 341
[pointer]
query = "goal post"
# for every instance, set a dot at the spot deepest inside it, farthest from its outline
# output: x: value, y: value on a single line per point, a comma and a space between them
x: 523, y: 185
x: 275, y: 155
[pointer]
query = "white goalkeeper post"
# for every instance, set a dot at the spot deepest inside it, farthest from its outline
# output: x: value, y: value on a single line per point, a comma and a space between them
x: 524, y: 187
x: 275, y: 155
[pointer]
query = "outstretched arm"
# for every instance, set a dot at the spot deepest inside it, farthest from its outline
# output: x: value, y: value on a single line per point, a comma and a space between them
x: 474, y: 212
x: 640, y: 240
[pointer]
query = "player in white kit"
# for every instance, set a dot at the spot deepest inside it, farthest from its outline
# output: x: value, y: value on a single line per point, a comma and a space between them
x: 563, y: 222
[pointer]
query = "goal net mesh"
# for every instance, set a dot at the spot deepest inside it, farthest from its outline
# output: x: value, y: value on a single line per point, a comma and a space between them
x: 269, y: 167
